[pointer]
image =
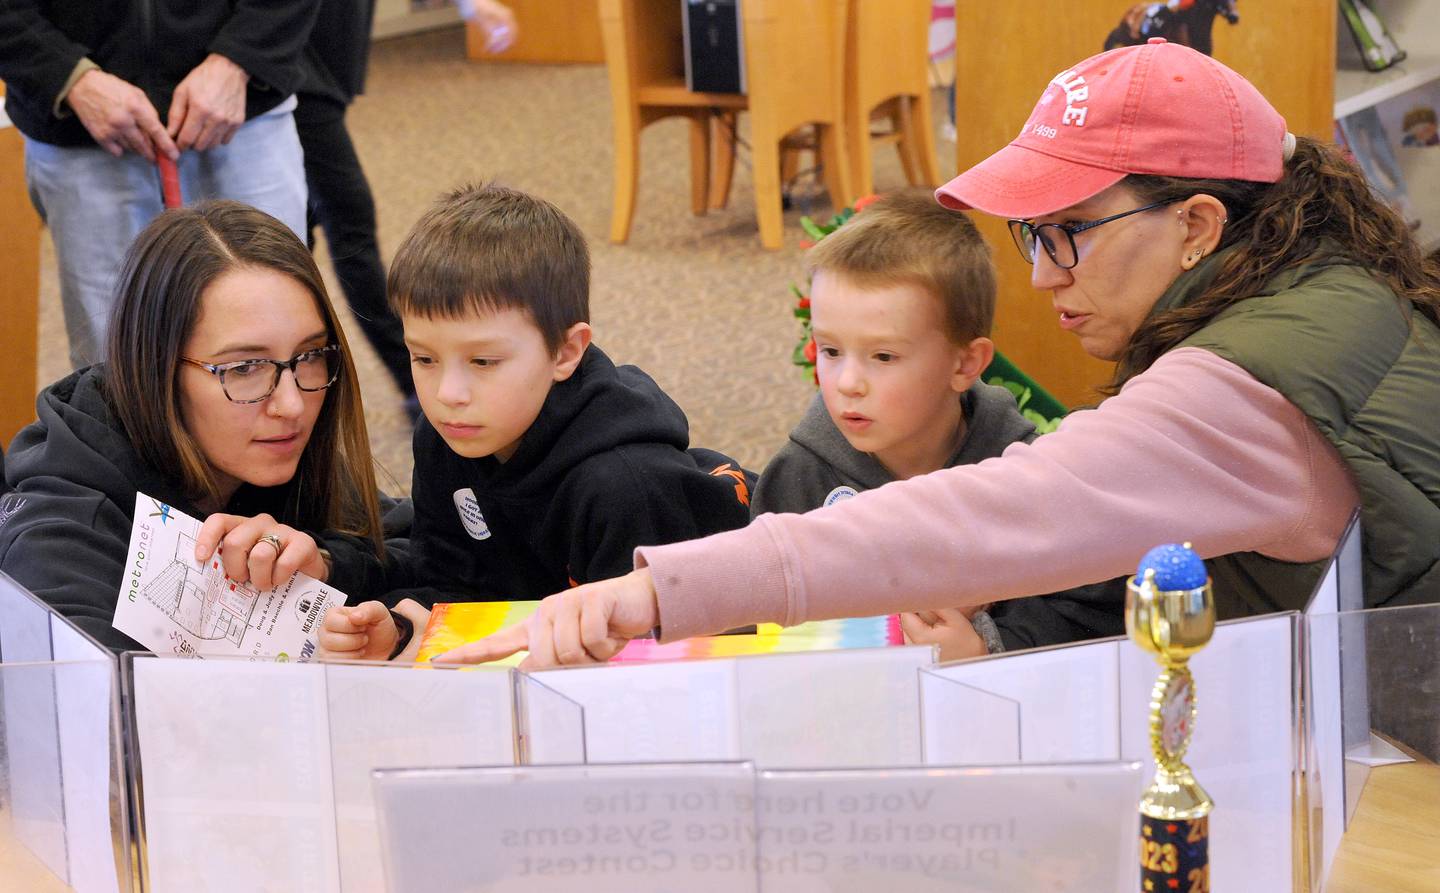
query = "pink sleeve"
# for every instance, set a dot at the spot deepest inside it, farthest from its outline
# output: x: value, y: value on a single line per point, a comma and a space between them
x: 1195, y: 449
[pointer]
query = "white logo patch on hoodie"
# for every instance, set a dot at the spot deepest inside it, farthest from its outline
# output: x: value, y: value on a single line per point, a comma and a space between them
x: 469, y: 508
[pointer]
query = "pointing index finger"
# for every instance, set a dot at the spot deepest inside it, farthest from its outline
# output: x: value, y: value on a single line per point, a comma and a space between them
x: 496, y: 646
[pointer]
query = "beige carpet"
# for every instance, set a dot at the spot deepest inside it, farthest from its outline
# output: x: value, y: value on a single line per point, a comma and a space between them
x: 695, y: 301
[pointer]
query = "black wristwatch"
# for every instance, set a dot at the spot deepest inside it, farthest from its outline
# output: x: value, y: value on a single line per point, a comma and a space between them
x: 406, y: 630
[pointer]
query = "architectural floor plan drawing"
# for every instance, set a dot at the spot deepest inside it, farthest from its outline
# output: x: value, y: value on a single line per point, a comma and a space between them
x: 202, y: 599
x: 173, y: 604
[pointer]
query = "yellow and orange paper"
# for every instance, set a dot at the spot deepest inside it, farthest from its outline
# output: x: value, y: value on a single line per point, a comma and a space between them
x: 452, y: 625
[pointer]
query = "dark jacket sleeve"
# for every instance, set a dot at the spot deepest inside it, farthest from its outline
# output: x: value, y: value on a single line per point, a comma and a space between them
x: 36, y: 58
x: 1094, y: 611
x: 68, y: 545
x: 609, y: 510
x: 266, y: 38
x: 643, y: 496
x: 357, y: 571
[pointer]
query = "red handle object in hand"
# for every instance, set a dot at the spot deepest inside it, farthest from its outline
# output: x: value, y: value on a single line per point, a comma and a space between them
x: 169, y: 181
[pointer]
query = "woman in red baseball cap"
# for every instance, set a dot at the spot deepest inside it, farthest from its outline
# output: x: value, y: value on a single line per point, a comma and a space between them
x: 1278, y: 365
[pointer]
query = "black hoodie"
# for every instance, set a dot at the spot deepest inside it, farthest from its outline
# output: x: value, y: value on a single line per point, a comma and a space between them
x: 65, y: 524
x: 604, y: 468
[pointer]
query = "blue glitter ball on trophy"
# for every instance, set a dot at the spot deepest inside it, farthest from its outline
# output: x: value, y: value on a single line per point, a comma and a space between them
x: 1176, y: 567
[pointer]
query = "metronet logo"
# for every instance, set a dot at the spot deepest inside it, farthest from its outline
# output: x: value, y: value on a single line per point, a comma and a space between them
x: 162, y: 511
x: 1076, y: 91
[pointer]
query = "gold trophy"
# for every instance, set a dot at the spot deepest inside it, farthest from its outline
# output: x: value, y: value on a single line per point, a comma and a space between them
x: 1170, y: 612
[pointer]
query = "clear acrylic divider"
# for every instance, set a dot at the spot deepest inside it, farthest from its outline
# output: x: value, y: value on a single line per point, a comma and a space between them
x: 1246, y: 745
x: 1035, y: 827
x: 1068, y: 697
x: 64, y: 809
x: 1371, y: 780
x: 550, y: 728
x: 255, y: 775
x: 1091, y: 702
x: 855, y: 707
x: 849, y: 707
x: 387, y: 715
x: 62, y: 804
x: 230, y: 761
x: 679, y: 711
x: 630, y: 828
x: 961, y: 725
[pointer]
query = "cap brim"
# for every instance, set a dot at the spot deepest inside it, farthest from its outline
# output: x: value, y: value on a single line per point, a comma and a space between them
x: 1020, y: 182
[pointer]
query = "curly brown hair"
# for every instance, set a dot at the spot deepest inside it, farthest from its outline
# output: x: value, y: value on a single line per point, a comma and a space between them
x: 1322, y: 205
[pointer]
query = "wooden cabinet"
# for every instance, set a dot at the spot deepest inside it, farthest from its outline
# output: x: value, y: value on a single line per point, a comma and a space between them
x: 1005, y: 55
x: 19, y: 286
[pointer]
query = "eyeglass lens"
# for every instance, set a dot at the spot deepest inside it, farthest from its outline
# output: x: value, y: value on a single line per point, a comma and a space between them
x: 255, y: 379
x: 1057, y: 242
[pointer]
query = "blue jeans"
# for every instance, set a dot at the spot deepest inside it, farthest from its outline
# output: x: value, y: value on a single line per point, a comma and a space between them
x: 96, y: 204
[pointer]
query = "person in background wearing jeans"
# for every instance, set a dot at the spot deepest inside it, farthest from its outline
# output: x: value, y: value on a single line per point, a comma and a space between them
x: 101, y: 89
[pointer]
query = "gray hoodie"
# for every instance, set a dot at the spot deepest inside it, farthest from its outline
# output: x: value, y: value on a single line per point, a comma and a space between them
x: 818, y: 459
x: 819, y: 466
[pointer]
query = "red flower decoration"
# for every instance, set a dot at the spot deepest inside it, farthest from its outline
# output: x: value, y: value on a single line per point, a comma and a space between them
x: 810, y: 351
x: 865, y: 202
x: 804, y: 304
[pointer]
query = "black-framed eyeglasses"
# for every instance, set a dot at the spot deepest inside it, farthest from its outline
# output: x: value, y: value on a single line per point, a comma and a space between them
x: 250, y: 381
x: 1059, y: 238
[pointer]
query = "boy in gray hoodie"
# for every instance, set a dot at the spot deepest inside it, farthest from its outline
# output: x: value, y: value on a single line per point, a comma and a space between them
x: 902, y: 301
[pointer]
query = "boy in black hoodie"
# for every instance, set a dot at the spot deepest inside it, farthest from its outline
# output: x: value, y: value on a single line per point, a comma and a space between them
x: 902, y: 300
x: 539, y: 464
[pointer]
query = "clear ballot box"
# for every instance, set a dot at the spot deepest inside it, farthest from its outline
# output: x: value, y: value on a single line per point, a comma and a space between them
x: 64, y: 814
x: 255, y: 775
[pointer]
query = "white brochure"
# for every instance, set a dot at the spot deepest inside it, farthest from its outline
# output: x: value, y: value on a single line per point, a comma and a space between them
x: 174, y: 605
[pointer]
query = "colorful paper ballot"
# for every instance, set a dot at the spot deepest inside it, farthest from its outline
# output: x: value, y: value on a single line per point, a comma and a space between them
x: 452, y: 625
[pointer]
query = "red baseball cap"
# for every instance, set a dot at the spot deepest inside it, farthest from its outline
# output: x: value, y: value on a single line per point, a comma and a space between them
x: 1158, y: 108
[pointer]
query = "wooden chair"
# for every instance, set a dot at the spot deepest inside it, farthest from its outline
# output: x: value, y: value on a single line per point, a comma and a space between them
x: 794, y: 64
x: 887, y: 45
x: 647, y: 84
x: 794, y: 57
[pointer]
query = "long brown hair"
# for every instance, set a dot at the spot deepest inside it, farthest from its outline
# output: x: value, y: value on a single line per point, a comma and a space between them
x: 165, y: 274
x: 1322, y: 205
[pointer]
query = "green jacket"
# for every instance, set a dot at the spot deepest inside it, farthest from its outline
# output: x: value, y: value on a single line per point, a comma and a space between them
x: 1365, y: 367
